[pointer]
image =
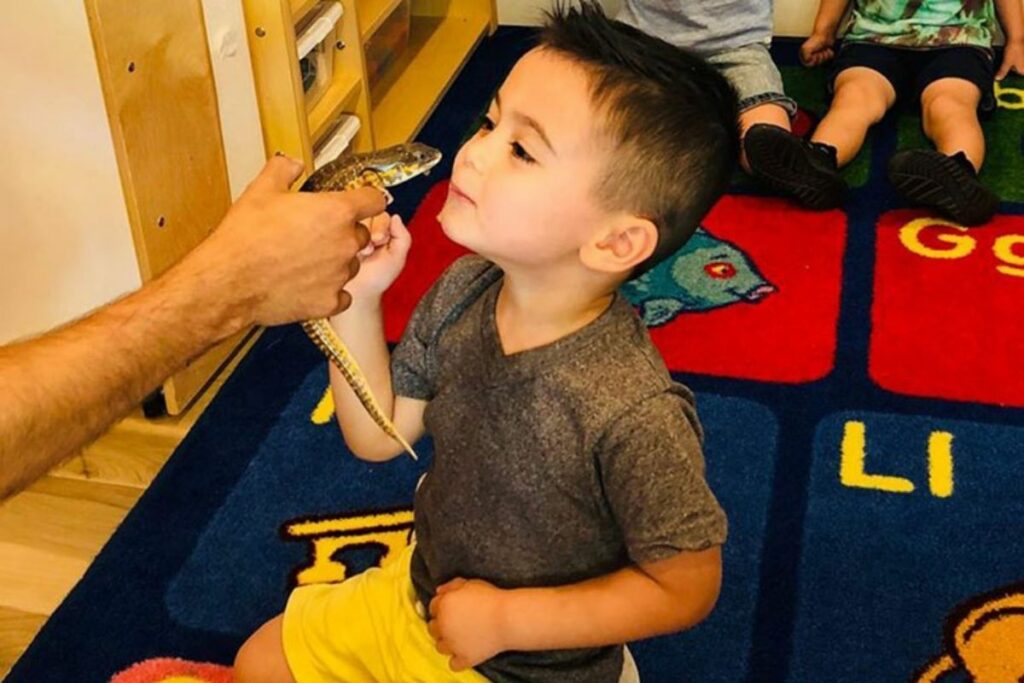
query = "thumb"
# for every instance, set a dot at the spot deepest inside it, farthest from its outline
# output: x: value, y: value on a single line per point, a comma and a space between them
x: 401, y: 238
x: 1003, y: 70
x: 278, y: 174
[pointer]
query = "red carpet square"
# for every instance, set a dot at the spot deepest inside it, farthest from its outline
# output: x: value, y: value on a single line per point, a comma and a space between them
x: 946, y: 321
x: 754, y: 295
x: 786, y: 334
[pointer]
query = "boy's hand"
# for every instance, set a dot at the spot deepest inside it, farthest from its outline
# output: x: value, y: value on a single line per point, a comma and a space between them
x: 1013, y: 59
x: 817, y: 49
x: 382, y: 259
x: 467, y: 621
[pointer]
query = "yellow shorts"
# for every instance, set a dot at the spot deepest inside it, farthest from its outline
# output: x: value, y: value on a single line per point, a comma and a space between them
x: 364, y: 630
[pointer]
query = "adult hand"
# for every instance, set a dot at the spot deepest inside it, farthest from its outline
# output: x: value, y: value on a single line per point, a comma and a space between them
x: 1013, y: 60
x: 817, y: 49
x: 467, y: 622
x: 281, y: 256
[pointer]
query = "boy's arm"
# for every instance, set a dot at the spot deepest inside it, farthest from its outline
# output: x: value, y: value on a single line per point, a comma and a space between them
x: 1011, y: 18
x: 362, y: 329
x: 472, y: 620
x: 817, y: 49
x: 830, y: 13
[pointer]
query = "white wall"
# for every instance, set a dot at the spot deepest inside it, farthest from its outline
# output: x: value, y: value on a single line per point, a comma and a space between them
x: 792, y: 17
x: 65, y: 241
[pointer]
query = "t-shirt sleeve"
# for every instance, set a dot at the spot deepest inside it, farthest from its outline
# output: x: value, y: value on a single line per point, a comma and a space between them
x: 652, y: 470
x: 414, y: 359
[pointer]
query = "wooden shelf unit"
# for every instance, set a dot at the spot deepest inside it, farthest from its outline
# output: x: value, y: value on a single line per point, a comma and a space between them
x: 442, y: 35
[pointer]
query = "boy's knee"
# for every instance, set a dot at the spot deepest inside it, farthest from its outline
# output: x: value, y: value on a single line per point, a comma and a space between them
x: 945, y: 105
x: 247, y: 664
x: 261, y: 658
x: 862, y: 100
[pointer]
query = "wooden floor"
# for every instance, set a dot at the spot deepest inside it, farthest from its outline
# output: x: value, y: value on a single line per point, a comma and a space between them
x: 50, y: 532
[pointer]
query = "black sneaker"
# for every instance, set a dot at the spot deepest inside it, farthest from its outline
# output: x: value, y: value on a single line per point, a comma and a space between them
x: 789, y: 164
x: 948, y: 184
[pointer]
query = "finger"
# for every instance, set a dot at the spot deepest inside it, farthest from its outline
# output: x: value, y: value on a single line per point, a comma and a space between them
x: 380, y: 230
x: 450, y: 586
x: 433, y: 608
x: 401, y: 238
x: 278, y: 174
x: 457, y: 663
x: 353, y: 268
x: 434, y: 630
x: 1003, y: 70
x: 362, y: 235
x: 444, y: 648
x: 364, y: 202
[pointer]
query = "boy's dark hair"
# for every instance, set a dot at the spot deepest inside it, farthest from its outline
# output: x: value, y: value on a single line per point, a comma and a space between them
x: 672, y: 118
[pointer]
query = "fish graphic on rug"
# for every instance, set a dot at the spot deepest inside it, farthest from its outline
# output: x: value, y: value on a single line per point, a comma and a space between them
x: 984, y: 638
x: 705, y: 274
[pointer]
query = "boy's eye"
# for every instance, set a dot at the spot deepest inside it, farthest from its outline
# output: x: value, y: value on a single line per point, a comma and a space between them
x: 521, y: 154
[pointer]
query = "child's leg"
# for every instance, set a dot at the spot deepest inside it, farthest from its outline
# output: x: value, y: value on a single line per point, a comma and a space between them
x: 261, y: 659
x: 771, y: 113
x: 953, y: 83
x: 862, y: 97
x: 949, y: 111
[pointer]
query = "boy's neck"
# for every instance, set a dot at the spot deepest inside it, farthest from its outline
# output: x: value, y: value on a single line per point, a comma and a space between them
x: 532, y: 312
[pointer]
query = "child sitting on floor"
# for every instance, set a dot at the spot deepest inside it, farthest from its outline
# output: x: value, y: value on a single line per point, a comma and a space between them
x: 936, y: 52
x: 734, y: 36
x: 565, y: 511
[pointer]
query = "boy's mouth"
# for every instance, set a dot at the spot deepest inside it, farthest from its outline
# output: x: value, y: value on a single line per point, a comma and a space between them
x: 454, y: 191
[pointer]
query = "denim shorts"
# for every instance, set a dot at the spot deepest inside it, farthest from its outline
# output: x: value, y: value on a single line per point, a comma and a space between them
x: 753, y: 73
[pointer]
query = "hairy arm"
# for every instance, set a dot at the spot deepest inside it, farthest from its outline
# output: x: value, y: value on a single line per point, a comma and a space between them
x: 276, y: 257
x: 62, y: 390
x: 473, y: 621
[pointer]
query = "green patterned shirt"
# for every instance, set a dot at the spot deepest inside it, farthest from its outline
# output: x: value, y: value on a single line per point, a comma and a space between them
x: 922, y: 23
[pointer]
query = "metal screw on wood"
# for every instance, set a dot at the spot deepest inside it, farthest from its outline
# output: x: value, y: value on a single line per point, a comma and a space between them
x: 160, y: 222
x: 340, y: 45
x: 131, y: 67
x: 260, y: 32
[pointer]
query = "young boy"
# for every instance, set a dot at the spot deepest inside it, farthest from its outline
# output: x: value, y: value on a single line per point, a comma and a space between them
x: 936, y: 52
x: 734, y: 36
x: 566, y: 511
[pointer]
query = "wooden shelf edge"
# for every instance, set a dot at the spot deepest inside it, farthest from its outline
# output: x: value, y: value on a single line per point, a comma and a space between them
x: 369, y: 24
x: 300, y: 8
x: 325, y: 111
x: 438, y: 49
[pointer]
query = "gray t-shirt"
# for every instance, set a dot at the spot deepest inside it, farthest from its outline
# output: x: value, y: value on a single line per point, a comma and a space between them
x: 705, y: 26
x: 552, y: 465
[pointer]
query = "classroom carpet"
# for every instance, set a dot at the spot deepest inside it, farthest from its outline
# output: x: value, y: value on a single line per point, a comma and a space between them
x: 860, y: 380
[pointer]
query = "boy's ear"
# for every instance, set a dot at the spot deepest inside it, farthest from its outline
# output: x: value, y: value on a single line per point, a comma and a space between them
x: 622, y: 246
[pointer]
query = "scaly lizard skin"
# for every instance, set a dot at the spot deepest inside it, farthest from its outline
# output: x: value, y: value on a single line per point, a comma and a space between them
x: 381, y: 169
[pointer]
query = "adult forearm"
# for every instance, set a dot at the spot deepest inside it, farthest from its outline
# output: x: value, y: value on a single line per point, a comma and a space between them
x: 64, y: 389
x: 830, y: 13
x: 620, y: 607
